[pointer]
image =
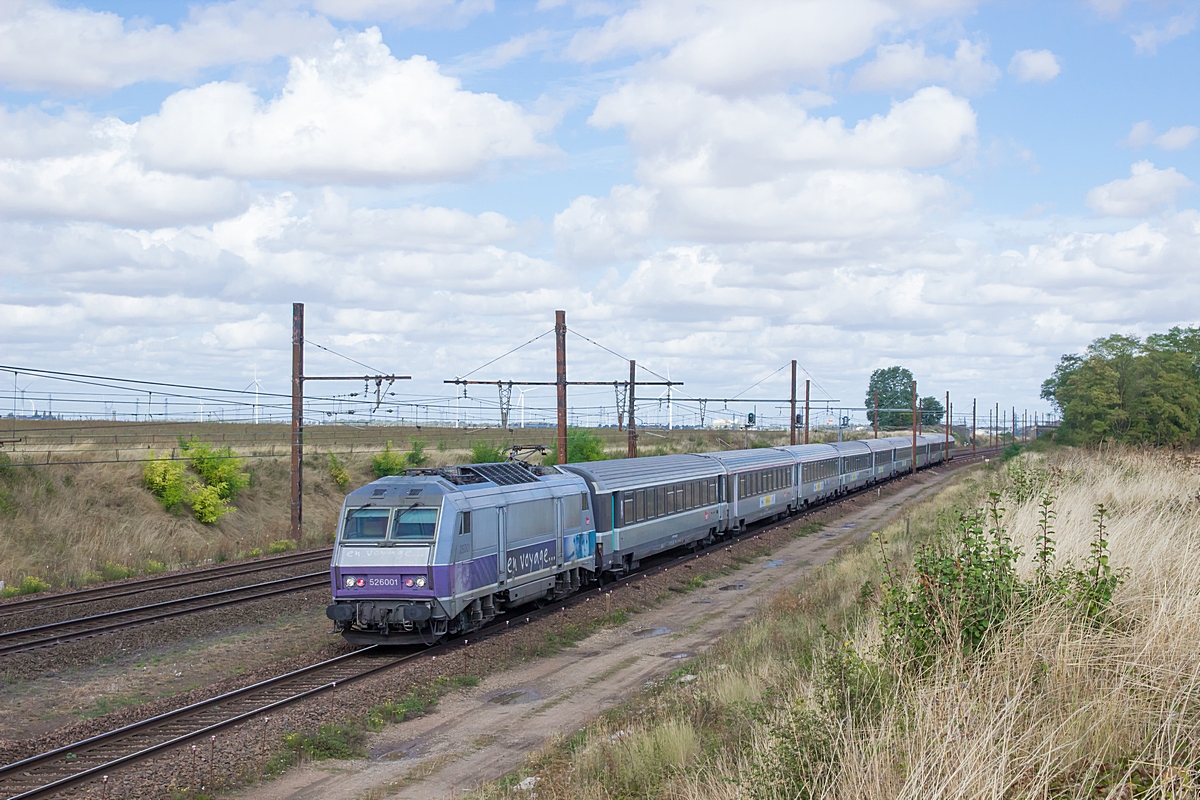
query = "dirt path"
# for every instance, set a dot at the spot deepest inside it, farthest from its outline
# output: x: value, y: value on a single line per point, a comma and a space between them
x: 484, y: 733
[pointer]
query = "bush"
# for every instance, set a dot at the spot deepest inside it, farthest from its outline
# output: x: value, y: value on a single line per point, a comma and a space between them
x: 209, y: 505
x: 484, y: 453
x: 416, y: 455
x: 166, y: 481
x: 217, y: 467
x: 389, y: 462
x: 331, y: 741
x: 153, y: 567
x: 281, y: 546
x: 337, y: 471
x: 116, y: 572
x: 28, y: 585
x: 582, y: 445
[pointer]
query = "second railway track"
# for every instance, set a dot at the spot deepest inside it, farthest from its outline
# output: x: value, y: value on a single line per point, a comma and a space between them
x: 54, y: 633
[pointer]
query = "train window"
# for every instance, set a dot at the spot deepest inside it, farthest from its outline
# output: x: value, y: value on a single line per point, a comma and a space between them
x: 661, y: 502
x: 639, y: 514
x: 671, y: 509
x: 415, y: 523
x: 586, y: 506
x: 628, y: 516
x: 741, y: 486
x: 365, y: 524
x: 465, y: 527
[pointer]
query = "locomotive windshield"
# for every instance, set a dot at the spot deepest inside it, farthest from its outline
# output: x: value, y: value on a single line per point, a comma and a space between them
x: 415, y: 523
x: 366, y: 524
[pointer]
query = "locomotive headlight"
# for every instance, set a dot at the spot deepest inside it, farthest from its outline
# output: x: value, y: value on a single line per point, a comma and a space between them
x: 408, y: 582
x: 420, y: 582
x: 349, y: 581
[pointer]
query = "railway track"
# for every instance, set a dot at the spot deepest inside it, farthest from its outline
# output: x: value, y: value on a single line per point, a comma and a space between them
x: 86, y: 761
x: 143, y: 585
x: 55, y: 633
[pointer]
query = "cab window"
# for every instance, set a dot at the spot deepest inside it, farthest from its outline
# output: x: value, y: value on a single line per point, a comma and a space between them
x: 415, y: 523
x: 366, y: 524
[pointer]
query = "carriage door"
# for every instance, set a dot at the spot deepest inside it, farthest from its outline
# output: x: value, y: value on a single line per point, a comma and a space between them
x: 502, y: 544
x: 560, y: 524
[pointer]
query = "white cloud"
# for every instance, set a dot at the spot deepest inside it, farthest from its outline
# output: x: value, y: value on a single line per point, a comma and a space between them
x: 685, y: 136
x: 355, y: 114
x: 733, y: 46
x: 595, y: 230
x: 408, y: 11
x: 45, y: 46
x: 1146, y: 190
x: 907, y: 66
x: 1140, y: 135
x: 1178, y: 138
x: 76, y: 167
x: 1034, y: 65
x: 1147, y: 42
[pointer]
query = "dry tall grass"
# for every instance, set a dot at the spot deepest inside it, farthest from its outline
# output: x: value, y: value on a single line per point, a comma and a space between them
x: 1058, y: 707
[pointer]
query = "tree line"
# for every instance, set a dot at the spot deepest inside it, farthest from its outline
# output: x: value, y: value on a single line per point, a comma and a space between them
x: 1124, y: 389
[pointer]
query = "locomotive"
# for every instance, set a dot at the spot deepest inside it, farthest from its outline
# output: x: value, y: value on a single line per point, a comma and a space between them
x: 439, y: 552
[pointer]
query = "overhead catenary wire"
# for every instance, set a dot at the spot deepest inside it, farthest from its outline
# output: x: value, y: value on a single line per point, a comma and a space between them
x: 509, y: 353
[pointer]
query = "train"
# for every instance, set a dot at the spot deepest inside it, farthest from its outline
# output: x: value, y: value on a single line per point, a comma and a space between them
x: 440, y: 552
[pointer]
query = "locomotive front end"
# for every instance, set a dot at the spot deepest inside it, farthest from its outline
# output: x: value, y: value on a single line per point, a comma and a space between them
x: 385, y: 586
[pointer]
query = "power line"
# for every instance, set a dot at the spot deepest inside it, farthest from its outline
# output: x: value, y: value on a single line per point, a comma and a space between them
x: 339, y: 355
x: 509, y: 353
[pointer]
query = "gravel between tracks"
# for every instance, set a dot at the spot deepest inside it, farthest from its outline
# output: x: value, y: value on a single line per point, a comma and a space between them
x: 239, y: 753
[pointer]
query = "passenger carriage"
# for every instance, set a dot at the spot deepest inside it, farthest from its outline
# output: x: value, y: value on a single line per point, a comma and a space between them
x: 857, y: 460
x: 647, y: 505
x: 758, y: 484
x: 816, y: 472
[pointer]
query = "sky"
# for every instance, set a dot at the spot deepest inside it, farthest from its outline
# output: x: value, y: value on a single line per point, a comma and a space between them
x: 967, y: 189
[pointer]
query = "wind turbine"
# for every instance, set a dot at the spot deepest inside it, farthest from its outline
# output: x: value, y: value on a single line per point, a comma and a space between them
x: 257, y: 385
x: 521, y: 402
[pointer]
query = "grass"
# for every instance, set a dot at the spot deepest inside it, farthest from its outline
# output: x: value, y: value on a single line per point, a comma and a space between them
x: 803, y: 701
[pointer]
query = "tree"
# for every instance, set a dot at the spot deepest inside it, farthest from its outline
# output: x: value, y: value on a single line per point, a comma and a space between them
x: 932, y: 410
x: 894, y: 389
x: 1126, y: 390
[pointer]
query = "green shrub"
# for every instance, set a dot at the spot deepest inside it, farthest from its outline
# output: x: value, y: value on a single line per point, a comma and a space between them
x: 416, y: 455
x: 153, y: 567
x: 337, y: 471
x: 28, y: 585
x: 484, y: 453
x: 331, y: 741
x: 111, y: 571
x: 388, y: 462
x: 255, y: 552
x: 582, y: 445
x: 281, y: 546
x: 209, y: 505
x: 217, y: 467
x: 166, y: 481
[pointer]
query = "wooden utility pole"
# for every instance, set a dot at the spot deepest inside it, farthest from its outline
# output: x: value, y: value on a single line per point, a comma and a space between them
x: 806, y: 387
x: 560, y: 347
x: 974, y: 403
x: 793, y: 425
x: 877, y: 415
x: 297, y: 419
x: 298, y: 381
x: 632, y: 427
x: 914, y: 428
x: 949, y: 422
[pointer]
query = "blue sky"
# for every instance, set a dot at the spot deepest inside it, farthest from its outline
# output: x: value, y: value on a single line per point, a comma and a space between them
x: 1006, y: 182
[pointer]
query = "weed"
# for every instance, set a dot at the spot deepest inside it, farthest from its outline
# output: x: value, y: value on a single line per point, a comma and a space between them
x: 388, y: 462
x: 484, y: 453
x: 111, y: 571
x: 152, y: 567
x: 330, y: 741
x: 281, y: 546
x: 337, y: 471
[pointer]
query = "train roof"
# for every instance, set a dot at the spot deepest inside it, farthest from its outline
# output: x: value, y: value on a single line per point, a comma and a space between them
x: 625, y: 473
x: 810, y: 452
x: 851, y: 448
x: 759, y: 458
